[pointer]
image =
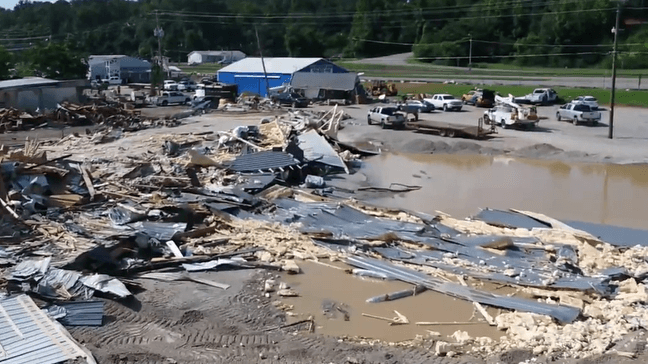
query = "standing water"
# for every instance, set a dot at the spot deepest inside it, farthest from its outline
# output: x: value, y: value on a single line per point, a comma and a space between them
x: 459, y: 185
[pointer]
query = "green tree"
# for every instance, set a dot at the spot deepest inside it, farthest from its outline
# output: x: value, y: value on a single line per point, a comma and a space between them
x: 55, y: 60
x: 6, y: 64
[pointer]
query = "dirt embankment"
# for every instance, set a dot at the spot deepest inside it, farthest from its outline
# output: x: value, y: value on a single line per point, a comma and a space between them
x: 534, y: 151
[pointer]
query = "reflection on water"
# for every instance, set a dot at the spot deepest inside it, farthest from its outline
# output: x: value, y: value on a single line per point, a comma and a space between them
x: 461, y: 184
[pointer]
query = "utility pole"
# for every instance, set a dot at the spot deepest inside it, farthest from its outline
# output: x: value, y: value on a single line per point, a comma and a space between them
x: 265, y: 74
x: 470, y: 54
x: 159, y: 33
x: 614, y: 57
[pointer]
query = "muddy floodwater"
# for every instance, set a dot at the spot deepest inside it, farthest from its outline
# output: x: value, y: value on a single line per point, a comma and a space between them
x: 461, y: 184
x: 328, y: 294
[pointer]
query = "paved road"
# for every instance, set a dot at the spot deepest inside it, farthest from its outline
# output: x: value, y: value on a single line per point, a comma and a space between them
x: 463, y: 75
x: 585, y: 82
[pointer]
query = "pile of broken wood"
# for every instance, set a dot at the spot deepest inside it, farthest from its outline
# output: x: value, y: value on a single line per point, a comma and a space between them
x: 105, y: 113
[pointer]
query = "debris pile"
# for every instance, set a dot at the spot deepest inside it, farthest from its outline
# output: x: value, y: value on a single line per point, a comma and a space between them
x: 102, y: 113
x: 255, y: 197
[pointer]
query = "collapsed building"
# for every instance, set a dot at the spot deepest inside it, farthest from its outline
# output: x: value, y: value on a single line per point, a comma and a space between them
x: 86, y: 225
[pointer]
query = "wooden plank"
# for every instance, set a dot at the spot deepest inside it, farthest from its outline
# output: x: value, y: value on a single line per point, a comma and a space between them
x: 88, y: 181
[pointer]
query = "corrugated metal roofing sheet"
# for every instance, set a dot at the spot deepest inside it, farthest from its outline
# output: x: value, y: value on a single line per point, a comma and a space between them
x: 28, y: 336
x: 317, y: 149
x: 283, y: 65
x: 262, y: 161
x: 83, y: 313
x: 324, y: 81
x: 27, y: 82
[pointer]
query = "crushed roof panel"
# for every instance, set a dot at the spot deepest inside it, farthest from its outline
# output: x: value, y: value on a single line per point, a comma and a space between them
x: 27, y: 82
x: 262, y: 161
x: 28, y: 335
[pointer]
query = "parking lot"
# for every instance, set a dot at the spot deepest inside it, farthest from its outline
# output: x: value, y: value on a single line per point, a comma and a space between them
x: 579, y: 143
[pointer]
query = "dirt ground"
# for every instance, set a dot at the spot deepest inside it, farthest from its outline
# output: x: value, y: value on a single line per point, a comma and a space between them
x: 190, y: 323
x: 186, y: 322
x: 550, y: 140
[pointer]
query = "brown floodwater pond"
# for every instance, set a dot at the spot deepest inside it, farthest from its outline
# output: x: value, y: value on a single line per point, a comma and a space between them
x: 322, y: 289
x: 461, y: 184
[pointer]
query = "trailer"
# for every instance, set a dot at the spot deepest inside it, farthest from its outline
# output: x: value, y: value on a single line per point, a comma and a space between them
x: 453, y: 130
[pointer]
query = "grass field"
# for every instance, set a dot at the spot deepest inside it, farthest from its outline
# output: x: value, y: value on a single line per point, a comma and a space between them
x: 208, y: 68
x: 483, y: 70
x: 626, y: 98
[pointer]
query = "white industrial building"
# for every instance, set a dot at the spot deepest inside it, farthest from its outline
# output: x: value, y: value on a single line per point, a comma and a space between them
x: 129, y: 69
x: 227, y: 57
x: 34, y: 93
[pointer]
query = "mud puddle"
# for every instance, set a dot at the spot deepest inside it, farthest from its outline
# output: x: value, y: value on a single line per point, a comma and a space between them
x: 330, y: 294
x: 460, y: 184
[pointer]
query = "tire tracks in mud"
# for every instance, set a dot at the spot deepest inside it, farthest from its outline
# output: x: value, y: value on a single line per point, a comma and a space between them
x: 229, y: 328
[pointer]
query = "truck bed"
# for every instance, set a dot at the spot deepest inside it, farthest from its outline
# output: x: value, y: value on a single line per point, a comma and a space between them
x: 457, y: 130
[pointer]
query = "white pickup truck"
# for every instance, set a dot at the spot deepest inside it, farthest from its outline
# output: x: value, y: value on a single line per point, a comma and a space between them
x: 113, y: 80
x: 172, y: 97
x: 385, y: 116
x: 578, y: 113
x: 445, y: 102
x: 508, y: 115
x: 543, y: 96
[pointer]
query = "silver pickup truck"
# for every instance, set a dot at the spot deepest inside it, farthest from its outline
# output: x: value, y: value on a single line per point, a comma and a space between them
x: 385, y: 116
x: 170, y: 97
x: 578, y: 114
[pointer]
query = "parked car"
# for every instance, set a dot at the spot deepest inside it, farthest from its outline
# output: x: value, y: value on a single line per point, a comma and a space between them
x: 543, y: 96
x: 170, y: 85
x: 590, y: 101
x: 187, y: 85
x: 417, y: 105
x: 112, y: 80
x: 385, y: 116
x: 578, y: 113
x: 479, y: 97
x: 445, y: 102
x: 172, y: 97
x: 290, y: 98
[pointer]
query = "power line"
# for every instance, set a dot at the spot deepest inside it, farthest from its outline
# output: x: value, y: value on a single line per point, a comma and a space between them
x: 493, y: 42
x: 243, y: 17
x: 428, y: 10
x: 514, y: 56
x: 240, y: 19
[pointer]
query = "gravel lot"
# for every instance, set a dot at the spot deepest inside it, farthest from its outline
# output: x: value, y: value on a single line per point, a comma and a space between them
x: 552, y: 139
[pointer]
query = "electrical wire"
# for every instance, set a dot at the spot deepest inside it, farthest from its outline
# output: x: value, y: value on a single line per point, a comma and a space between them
x: 513, y: 56
x: 500, y: 43
x: 429, y: 10
x: 499, y: 16
x: 240, y: 21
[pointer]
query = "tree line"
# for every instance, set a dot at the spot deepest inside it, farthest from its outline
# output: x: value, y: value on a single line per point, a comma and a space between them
x: 53, y: 39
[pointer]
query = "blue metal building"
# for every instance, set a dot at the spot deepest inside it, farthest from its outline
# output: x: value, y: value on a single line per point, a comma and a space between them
x: 248, y: 74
